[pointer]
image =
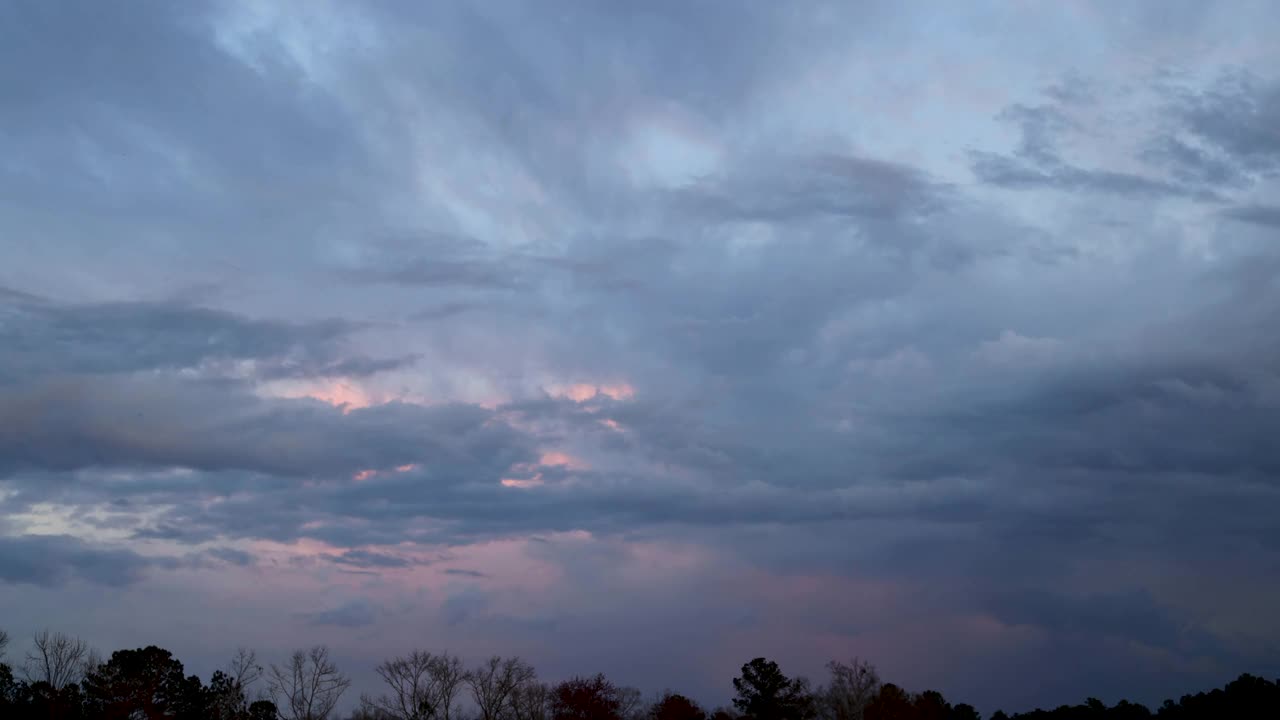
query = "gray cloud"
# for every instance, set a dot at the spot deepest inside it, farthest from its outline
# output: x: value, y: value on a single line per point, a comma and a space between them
x: 232, y: 556
x: 354, y: 614
x: 1238, y: 116
x: 147, y: 422
x: 1024, y: 418
x: 52, y: 560
x: 1038, y: 160
x: 1264, y: 215
x: 45, y: 338
x: 367, y: 559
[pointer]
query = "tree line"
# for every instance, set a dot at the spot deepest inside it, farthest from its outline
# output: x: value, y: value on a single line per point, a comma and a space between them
x: 61, y: 678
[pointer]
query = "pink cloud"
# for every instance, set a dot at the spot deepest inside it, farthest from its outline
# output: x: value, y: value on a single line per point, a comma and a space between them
x: 582, y: 392
x: 555, y: 458
x: 341, y: 394
x: 366, y: 474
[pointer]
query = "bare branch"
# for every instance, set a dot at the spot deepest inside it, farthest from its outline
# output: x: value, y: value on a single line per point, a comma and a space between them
x: 56, y: 659
x: 852, y: 688
x: 245, y: 670
x: 531, y: 701
x: 493, y: 683
x: 631, y: 704
x: 92, y: 661
x: 309, y: 687
x: 423, y: 686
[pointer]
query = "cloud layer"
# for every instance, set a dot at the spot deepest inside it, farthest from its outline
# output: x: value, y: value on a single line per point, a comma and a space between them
x: 649, y: 341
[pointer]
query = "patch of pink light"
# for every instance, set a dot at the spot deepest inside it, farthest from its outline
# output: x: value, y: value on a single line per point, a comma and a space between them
x: 366, y: 474
x: 582, y: 392
x: 556, y: 458
x: 338, y: 393
x: 550, y: 458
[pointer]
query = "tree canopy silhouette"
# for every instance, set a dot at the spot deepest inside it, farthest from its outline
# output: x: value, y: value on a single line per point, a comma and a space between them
x: 150, y: 684
x: 593, y: 698
x: 765, y: 693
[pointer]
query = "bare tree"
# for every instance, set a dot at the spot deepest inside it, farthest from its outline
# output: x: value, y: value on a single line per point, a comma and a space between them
x: 449, y: 675
x: 493, y: 683
x: 56, y: 659
x: 851, y: 689
x: 422, y: 686
x: 309, y: 687
x: 92, y: 661
x: 4, y: 643
x: 531, y: 701
x: 631, y: 704
x: 245, y: 670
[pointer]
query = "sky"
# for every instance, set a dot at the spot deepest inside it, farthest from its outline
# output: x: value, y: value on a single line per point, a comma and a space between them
x: 649, y: 338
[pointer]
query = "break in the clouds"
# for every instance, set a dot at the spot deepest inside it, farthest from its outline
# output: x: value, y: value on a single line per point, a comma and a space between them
x: 649, y: 339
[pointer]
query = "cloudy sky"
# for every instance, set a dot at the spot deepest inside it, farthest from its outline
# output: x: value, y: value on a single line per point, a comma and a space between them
x: 647, y: 338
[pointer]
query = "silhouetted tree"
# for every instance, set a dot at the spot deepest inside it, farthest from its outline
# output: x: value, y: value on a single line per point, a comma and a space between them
x: 246, y: 671
x: 593, y: 698
x: 891, y: 703
x: 848, y: 692
x: 10, y: 688
x: 421, y: 685
x: 1247, y: 698
x: 149, y: 684
x: 309, y: 687
x: 631, y: 704
x: 930, y: 705
x: 92, y: 661
x: 41, y: 700
x: 56, y: 659
x: 494, y: 681
x: 225, y: 699
x: 262, y: 710
x: 531, y: 701
x: 143, y: 683
x: 765, y: 693
x: 674, y: 706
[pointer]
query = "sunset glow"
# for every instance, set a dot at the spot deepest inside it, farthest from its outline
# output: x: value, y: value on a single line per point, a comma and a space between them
x: 584, y: 392
x: 868, y: 354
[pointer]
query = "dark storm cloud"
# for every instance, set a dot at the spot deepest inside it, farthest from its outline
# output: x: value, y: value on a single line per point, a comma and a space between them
x: 1194, y: 165
x: 1038, y: 160
x: 1264, y: 215
x: 46, y: 338
x: 848, y: 366
x: 1239, y: 115
x: 157, y: 422
x: 52, y: 560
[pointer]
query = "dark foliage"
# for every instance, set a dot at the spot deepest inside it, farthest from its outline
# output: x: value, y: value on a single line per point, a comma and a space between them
x: 1245, y: 698
x: 149, y: 684
x: 593, y: 698
x: 674, y: 706
x: 765, y: 693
